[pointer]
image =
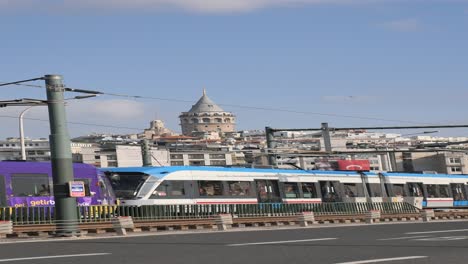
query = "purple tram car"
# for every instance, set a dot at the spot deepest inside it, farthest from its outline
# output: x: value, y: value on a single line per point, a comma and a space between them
x: 29, y: 184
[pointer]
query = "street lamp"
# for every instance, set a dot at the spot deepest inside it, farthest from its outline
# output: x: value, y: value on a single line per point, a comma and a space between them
x: 21, y: 130
x: 31, y: 103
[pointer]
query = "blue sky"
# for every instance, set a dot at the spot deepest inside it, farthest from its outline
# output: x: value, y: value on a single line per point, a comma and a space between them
x: 396, y: 62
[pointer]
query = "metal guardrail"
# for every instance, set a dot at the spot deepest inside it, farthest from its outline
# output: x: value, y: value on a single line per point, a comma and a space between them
x: 211, y: 223
x: 258, y: 210
x: 105, y: 213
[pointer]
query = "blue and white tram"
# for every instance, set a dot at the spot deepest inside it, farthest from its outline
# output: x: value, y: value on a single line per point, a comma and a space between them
x: 430, y: 190
x: 219, y: 185
x: 212, y: 185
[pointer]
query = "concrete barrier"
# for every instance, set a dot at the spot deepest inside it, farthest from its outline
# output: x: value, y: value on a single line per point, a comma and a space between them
x: 121, y: 224
x: 6, y: 227
x: 372, y: 216
x: 223, y: 221
x: 305, y: 218
x: 427, y: 215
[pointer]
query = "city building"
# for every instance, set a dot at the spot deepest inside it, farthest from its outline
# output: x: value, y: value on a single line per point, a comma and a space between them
x: 377, y: 151
x: 36, y: 149
x: 438, y: 162
x: 201, y: 158
x: 84, y: 152
x: 157, y: 129
x: 113, y: 155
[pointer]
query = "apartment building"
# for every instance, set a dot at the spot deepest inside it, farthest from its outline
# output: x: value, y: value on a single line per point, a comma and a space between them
x: 440, y: 162
x: 36, y: 149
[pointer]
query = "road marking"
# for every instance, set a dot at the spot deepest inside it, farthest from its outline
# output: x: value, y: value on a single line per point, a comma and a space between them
x: 398, y: 238
x: 381, y: 260
x: 439, y: 231
x: 450, y: 238
x: 280, y: 242
x: 58, y: 256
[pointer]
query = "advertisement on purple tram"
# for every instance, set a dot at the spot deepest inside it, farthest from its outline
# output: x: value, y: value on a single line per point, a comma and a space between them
x: 29, y: 184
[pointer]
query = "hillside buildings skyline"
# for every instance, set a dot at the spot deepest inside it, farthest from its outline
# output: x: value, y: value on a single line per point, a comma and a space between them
x: 210, y: 138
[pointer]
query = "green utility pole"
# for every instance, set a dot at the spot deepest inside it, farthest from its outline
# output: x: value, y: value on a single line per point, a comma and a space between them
x: 270, y: 146
x: 146, y: 153
x: 62, y: 167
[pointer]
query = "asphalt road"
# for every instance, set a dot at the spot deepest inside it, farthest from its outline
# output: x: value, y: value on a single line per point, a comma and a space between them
x: 441, y: 242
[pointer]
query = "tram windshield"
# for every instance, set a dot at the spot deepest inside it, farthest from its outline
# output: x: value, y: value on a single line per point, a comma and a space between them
x: 126, y: 185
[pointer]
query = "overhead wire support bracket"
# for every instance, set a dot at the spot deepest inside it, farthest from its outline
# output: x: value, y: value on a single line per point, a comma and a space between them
x: 22, y: 102
x: 82, y: 91
x: 23, y: 81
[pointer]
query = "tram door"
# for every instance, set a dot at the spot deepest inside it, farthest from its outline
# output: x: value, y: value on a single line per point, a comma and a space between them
x: 330, y: 191
x: 458, y: 190
x: 2, y: 192
x: 268, y: 191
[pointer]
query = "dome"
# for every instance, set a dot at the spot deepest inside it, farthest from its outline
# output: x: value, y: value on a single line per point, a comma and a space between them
x: 205, y: 104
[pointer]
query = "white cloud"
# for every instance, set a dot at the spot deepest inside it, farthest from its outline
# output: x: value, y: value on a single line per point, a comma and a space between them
x: 105, y: 110
x: 203, y: 6
x: 404, y: 25
x: 94, y: 115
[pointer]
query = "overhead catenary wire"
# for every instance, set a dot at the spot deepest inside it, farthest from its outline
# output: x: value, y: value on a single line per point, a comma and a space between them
x: 77, y: 123
x: 262, y: 108
x: 236, y: 106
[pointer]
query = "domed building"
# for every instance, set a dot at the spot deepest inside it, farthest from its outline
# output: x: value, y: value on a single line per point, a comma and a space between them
x: 157, y: 129
x: 206, y: 117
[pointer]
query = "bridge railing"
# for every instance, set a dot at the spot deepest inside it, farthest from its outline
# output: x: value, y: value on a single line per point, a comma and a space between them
x: 105, y: 213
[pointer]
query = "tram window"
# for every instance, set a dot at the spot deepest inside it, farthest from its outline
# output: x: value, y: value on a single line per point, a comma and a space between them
x: 210, y: 188
x: 444, y: 191
x: 291, y: 190
x: 375, y: 190
x: 86, y: 185
x: 169, y: 189
x: 308, y: 189
x: 431, y: 190
x: 127, y: 185
x: 398, y: 190
x: 30, y: 185
x: 177, y: 188
x: 415, y: 189
x: 350, y: 189
x: 238, y: 188
x: 161, y: 190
